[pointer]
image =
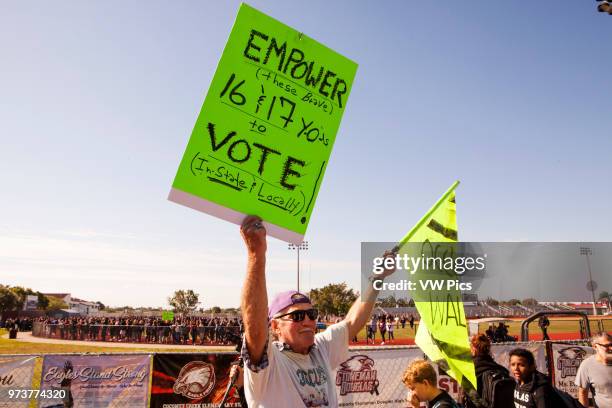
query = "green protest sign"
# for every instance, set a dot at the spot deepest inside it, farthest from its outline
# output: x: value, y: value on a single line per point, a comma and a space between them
x: 263, y: 138
x: 168, y: 315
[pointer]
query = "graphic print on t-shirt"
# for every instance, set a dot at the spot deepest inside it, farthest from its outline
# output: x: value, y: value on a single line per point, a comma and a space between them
x: 313, y: 384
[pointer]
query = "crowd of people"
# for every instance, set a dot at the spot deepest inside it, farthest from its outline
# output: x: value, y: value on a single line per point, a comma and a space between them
x: 499, y: 333
x: 386, y: 324
x: 135, y: 329
x: 18, y: 323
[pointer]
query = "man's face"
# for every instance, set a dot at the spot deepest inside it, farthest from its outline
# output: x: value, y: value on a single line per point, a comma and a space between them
x: 603, y: 349
x: 298, y: 335
x: 520, y: 369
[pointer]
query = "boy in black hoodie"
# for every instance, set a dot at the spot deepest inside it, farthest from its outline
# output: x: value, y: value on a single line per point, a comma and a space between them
x: 533, y: 389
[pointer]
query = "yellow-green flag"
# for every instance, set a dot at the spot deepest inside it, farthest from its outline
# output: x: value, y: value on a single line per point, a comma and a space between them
x: 442, y: 332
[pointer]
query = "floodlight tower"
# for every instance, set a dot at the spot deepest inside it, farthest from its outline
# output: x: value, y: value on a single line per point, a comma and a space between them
x: 301, y: 247
x: 591, y: 285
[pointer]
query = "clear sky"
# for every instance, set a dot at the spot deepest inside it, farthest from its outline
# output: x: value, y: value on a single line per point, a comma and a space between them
x: 98, y: 99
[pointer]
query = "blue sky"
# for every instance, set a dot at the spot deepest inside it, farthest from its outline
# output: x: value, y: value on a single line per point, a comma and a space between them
x: 98, y: 99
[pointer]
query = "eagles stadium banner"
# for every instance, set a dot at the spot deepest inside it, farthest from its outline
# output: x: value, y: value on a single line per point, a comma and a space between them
x: 267, y: 127
x: 566, y: 359
x: 373, y: 377
x: 15, y: 379
x: 96, y: 381
x: 199, y: 380
x: 501, y: 353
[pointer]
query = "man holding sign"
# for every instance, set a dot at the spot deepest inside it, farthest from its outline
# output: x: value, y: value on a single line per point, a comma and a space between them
x: 287, y: 365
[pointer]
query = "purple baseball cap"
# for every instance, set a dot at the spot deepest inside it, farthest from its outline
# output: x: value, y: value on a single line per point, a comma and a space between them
x: 286, y: 299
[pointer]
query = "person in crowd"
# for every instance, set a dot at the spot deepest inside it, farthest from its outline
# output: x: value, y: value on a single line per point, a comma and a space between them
x: 73, y: 329
x: 370, y: 332
x: 238, y: 371
x: 390, y: 329
x: 595, y: 373
x: 382, y: 327
x: 286, y: 364
x: 373, y: 328
x: 201, y: 331
x: 501, y: 334
x: 122, y: 330
x: 480, y: 348
x: 421, y: 379
x: 82, y: 328
x: 533, y: 389
x: 412, y: 322
x: 184, y: 332
x: 61, y: 329
x: 490, y: 332
x: 167, y: 332
x: 543, y: 322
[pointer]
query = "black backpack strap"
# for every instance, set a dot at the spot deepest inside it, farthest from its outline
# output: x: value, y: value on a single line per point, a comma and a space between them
x: 473, y: 400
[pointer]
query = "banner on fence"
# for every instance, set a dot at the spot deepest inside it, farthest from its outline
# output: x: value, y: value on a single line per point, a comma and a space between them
x: 199, y: 380
x: 566, y: 359
x: 501, y: 353
x: 374, y: 377
x: 371, y: 377
x: 15, y: 379
x: 93, y: 381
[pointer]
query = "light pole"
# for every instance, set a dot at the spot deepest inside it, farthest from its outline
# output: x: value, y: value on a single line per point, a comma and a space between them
x: 586, y: 251
x: 301, y: 247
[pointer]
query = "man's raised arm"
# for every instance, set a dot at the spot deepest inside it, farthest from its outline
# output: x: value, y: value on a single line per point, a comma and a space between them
x: 361, y: 310
x: 254, y: 301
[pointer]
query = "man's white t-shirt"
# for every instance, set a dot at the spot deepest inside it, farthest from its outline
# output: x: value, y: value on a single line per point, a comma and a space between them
x: 287, y: 379
x: 597, y: 377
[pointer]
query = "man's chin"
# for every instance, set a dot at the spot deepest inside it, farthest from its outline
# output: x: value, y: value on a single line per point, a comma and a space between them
x: 307, y: 337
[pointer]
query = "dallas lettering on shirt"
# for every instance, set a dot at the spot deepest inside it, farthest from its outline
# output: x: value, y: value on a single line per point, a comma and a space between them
x: 312, y: 376
x: 519, y: 397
